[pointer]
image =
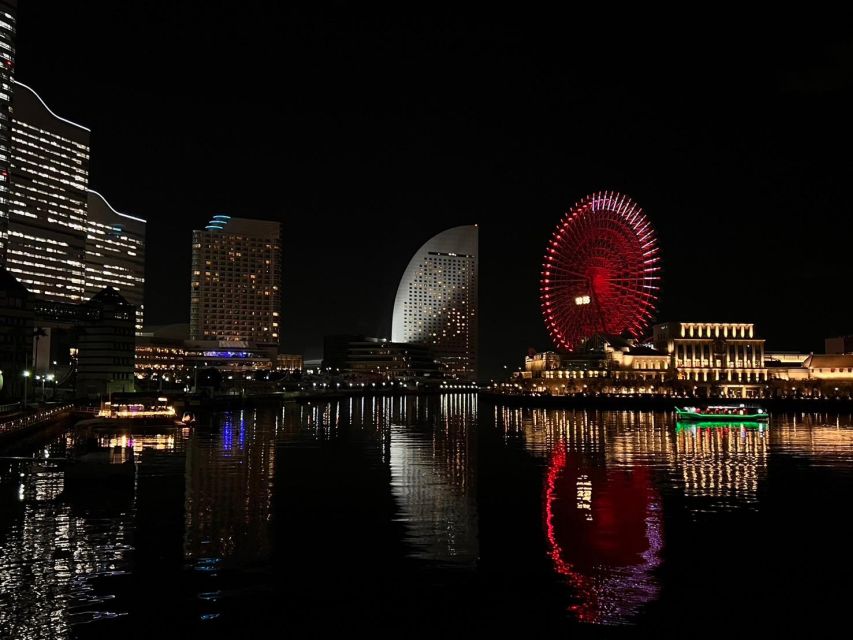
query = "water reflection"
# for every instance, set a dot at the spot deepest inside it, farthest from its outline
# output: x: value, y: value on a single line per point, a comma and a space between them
x: 433, y: 481
x: 390, y: 508
x: 604, y: 534
x: 229, y: 476
x: 58, y: 538
x: 427, y: 446
x: 722, y: 460
x: 603, y: 515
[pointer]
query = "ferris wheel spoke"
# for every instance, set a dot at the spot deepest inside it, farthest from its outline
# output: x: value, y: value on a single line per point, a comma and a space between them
x: 604, y: 238
x: 631, y: 290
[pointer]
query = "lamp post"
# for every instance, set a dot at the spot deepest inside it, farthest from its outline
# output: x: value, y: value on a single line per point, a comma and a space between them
x: 27, y: 374
x: 46, y: 376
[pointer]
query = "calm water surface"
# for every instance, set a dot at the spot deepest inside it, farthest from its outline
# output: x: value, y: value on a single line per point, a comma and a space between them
x: 413, y: 515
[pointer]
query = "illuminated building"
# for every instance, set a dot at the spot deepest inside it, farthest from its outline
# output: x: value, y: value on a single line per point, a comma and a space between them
x: 603, y: 364
x: 115, y: 253
x: 830, y: 367
x: 378, y: 359
x: 47, y: 200
x: 164, y: 354
x: 723, y: 355
x: 236, y: 281
x: 712, y: 359
x: 289, y: 362
x: 545, y: 361
x: 8, y: 11
x: 436, y: 303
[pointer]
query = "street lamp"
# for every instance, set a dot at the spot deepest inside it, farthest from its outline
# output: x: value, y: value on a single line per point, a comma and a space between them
x: 27, y: 374
x: 47, y: 376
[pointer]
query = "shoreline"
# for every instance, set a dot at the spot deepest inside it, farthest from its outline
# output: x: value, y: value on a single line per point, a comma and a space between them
x: 662, y: 403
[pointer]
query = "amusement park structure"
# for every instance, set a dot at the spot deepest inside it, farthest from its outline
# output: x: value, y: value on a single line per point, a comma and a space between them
x: 601, y: 273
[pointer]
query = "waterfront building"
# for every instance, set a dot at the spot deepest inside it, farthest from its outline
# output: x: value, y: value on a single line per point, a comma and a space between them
x: 105, y: 348
x: 115, y: 253
x: 706, y: 359
x: 377, y: 359
x: 436, y: 303
x: 236, y: 281
x: 8, y: 19
x: 602, y: 364
x: 164, y: 355
x: 838, y: 367
x: 162, y: 358
x: 839, y: 345
x: 544, y: 361
x: 724, y: 358
x: 47, y: 199
x: 289, y: 362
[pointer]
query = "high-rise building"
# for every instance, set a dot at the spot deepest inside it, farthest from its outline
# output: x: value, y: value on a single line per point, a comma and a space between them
x: 115, y: 253
x: 8, y: 10
x: 436, y: 301
x: 236, y: 281
x: 47, y: 199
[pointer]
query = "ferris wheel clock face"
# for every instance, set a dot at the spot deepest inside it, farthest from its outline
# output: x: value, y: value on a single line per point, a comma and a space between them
x: 601, y: 273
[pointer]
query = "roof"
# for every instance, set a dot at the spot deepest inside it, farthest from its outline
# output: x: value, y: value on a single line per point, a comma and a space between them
x: 639, y: 350
x: 829, y: 361
x: 10, y: 283
x: 108, y: 295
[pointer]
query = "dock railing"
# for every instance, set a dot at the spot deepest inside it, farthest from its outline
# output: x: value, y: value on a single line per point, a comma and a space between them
x: 20, y: 421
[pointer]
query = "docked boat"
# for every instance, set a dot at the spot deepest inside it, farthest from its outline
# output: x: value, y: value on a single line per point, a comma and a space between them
x: 723, y: 413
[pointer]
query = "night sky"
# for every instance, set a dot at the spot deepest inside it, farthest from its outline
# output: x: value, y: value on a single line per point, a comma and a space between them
x: 366, y: 132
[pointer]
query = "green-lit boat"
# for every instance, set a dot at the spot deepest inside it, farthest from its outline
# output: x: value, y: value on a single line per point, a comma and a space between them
x: 722, y: 413
x: 692, y: 425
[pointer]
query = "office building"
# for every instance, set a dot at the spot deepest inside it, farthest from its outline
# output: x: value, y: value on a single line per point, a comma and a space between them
x: 47, y: 200
x: 115, y: 253
x: 8, y: 11
x: 436, y: 303
x: 236, y: 281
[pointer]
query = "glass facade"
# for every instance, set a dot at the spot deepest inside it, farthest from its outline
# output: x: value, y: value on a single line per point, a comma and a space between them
x: 7, y: 66
x: 236, y: 281
x: 47, y: 200
x: 115, y: 253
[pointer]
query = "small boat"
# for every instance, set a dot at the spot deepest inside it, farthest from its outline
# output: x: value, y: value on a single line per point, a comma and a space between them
x: 743, y: 425
x: 722, y: 413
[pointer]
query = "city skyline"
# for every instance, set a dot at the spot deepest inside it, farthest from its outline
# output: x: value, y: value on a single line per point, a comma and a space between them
x: 729, y: 163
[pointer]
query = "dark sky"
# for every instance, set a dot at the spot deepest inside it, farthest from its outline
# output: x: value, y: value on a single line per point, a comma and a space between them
x: 367, y: 131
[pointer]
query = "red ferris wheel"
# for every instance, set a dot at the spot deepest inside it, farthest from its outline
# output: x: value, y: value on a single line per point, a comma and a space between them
x: 601, y: 273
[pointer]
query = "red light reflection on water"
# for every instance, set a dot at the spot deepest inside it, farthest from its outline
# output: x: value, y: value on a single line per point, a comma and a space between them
x: 604, y: 535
